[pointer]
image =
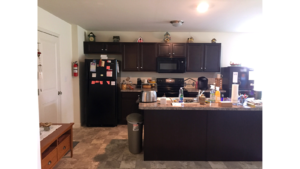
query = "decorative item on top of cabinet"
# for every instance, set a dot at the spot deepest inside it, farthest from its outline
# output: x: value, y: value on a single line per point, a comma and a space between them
x: 190, y: 40
x: 213, y: 40
x: 92, y: 37
x: 116, y: 38
x: 167, y: 37
x: 140, y: 39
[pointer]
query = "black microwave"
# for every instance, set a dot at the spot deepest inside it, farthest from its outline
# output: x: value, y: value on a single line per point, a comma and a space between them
x: 170, y: 65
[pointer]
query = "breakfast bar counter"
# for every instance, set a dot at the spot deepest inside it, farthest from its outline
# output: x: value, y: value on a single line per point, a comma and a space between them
x: 201, y: 132
x: 194, y: 106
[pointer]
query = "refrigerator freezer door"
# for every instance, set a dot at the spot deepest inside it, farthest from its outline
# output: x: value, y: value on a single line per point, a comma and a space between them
x: 107, y: 72
x: 101, y: 110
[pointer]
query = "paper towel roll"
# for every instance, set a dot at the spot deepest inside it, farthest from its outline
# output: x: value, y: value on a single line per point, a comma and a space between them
x: 234, y: 93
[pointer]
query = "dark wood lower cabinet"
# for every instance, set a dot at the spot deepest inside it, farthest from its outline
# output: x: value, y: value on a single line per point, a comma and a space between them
x: 234, y: 136
x: 128, y: 105
x: 199, y: 135
x: 174, y: 135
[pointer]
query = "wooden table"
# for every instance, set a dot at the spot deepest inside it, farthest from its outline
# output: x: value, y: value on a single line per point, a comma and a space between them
x: 56, y: 145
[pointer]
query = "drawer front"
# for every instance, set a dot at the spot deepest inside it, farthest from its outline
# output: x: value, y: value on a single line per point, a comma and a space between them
x: 50, y: 160
x: 63, y: 147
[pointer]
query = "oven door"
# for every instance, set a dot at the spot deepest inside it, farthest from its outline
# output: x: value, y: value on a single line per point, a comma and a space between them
x: 170, y: 65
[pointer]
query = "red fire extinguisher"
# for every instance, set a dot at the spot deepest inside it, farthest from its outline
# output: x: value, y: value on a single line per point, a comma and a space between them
x: 75, y: 69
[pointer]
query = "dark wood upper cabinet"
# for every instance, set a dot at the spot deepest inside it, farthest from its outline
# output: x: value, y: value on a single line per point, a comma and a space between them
x: 171, y: 49
x: 164, y: 49
x: 130, y: 57
x: 194, y: 57
x: 212, y: 60
x: 148, y: 56
x: 178, y: 49
x: 203, y: 57
x: 102, y: 48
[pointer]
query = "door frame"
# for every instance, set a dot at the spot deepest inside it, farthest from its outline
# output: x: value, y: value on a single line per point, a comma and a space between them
x: 42, y: 30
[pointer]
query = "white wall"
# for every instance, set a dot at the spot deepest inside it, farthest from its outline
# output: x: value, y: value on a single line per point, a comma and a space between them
x: 78, y: 35
x: 38, y: 136
x: 48, y: 21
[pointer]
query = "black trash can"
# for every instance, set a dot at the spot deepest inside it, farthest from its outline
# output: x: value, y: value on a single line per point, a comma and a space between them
x: 135, y: 132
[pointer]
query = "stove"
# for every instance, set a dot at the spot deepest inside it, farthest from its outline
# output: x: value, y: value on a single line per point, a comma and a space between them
x: 170, y: 87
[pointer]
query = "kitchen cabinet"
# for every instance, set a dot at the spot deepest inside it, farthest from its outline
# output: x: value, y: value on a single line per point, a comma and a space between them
x: 139, y: 57
x: 102, y: 48
x: 203, y: 57
x: 148, y: 56
x: 128, y: 105
x: 171, y: 49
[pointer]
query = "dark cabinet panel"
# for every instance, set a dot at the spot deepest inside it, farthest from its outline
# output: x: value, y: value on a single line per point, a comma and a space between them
x: 175, y: 135
x: 178, y: 49
x: 212, y: 57
x: 130, y: 57
x: 129, y: 105
x: 234, y: 136
x: 195, y: 56
x: 164, y: 49
x: 171, y: 49
x: 204, y: 57
x: 148, y: 57
x: 102, y: 48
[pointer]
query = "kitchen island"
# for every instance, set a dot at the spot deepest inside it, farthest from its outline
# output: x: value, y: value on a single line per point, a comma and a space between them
x: 194, y: 132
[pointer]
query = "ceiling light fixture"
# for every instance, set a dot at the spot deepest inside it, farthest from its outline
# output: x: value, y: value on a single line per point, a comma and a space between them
x: 176, y: 23
x: 202, y: 7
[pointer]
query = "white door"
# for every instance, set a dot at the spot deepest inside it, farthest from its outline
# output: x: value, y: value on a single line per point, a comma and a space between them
x: 49, y: 82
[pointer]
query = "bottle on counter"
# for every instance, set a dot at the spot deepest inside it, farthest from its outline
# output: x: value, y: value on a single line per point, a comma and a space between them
x: 222, y: 97
x: 217, y: 95
x: 212, y: 94
x: 180, y: 97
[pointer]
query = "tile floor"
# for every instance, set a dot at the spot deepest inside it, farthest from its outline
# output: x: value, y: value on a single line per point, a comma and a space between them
x: 106, y: 147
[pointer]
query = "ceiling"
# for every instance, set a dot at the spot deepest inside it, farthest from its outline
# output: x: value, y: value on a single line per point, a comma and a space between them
x: 155, y: 15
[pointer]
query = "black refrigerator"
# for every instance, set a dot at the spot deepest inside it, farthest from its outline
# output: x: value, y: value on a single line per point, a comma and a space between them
x: 103, y: 80
x: 237, y: 75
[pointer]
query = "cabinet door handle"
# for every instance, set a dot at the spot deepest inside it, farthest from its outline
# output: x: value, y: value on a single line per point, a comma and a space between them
x: 105, y: 49
x: 173, y: 53
x: 64, y: 147
x: 201, y: 67
x: 137, y: 67
x: 205, y: 68
x: 49, y: 162
x: 169, y: 53
x: 102, y: 49
x: 141, y: 67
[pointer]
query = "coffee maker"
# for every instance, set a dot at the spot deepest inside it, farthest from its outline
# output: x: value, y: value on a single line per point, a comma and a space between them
x: 138, y: 83
x: 202, y: 83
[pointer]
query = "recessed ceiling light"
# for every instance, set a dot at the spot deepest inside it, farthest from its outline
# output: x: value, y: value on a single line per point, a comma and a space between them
x: 202, y: 7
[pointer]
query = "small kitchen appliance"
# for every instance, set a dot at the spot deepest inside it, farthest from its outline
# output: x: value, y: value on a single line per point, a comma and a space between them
x: 170, y: 65
x: 148, y: 96
x: 138, y: 83
x: 202, y: 83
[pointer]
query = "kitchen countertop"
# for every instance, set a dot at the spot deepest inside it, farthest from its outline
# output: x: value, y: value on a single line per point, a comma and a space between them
x: 188, y: 89
x: 194, y: 106
x: 196, y: 90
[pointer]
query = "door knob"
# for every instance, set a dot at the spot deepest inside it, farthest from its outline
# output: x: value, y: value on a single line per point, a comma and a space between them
x: 169, y: 53
x: 173, y: 53
x: 137, y: 67
x: 105, y: 49
x: 201, y: 67
x: 141, y: 67
x: 205, y: 68
x: 101, y: 49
